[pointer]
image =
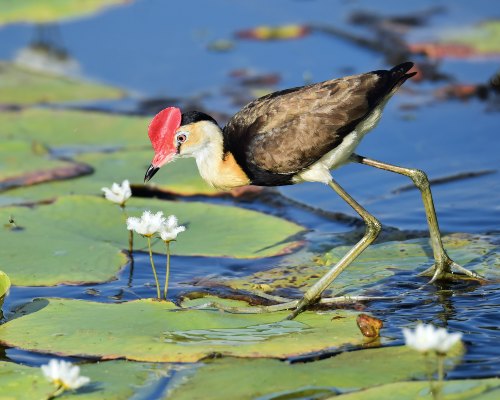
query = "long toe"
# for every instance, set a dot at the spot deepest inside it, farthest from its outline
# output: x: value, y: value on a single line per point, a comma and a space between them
x: 450, y: 270
x: 301, y: 306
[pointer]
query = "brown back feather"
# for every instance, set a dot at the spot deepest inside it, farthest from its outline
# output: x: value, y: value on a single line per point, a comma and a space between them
x: 285, y: 132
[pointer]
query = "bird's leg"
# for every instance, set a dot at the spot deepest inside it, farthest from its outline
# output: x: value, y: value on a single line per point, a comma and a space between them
x: 372, y: 230
x: 443, y: 265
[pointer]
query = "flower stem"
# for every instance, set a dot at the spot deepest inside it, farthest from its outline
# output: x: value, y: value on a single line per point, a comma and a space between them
x: 57, y: 392
x: 440, y: 367
x: 439, y: 385
x: 165, y: 290
x: 154, y: 269
x: 130, y: 241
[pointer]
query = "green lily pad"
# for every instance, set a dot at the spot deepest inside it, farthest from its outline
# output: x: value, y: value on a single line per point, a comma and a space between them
x: 74, y: 129
x: 147, y: 330
x: 4, y: 284
x: 483, y: 38
x: 181, y: 177
x: 212, y: 230
x: 379, y: 261
x: 467, y: 389
x: 272, y: 379
x: 57, y: 257
x: 21, y: 163
x: 50, y: 11
x: 108, y: 380
x: 79, y: 238
x: 4, y: 289
x: 22, y: 86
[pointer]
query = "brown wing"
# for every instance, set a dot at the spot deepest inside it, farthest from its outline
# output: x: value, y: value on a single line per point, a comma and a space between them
x: 287, y: 131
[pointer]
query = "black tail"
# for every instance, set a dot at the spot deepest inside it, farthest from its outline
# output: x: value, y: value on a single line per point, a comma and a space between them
x: 389, y: 82
x: 399, y: 72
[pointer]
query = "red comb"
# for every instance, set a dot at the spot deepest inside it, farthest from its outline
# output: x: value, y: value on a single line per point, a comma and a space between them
x: 164, y: 123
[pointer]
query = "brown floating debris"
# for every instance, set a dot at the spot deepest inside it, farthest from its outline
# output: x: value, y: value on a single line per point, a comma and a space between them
x: 439, y: 51
x: 369, y: 326
x: 65, y: 172
x: 489, y: 90
x: 406, y: 21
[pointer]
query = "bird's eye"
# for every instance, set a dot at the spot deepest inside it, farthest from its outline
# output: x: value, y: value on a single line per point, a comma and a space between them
x: 181, y: 138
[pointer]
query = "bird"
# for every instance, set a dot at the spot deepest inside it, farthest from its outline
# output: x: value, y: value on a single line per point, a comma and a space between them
x: 298, y: 135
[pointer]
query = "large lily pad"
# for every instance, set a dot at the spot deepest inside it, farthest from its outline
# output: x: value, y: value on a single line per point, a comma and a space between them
x: 468, y: 389
x: 213, y: 230
x: 78, y: 238
x: 479, y: 253
x: 50, y: 11
x: 74, y: 129
x: 147, y: 330
x: 23, y: 86
x: 181, y: 177
x: 273, y: 379
x: 108, y: 380
x: 21, y: 163
x: 56, y: 257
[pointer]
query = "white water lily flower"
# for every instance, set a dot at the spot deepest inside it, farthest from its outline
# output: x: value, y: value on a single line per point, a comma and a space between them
x: 427, y: 338
x: 446, y: 340
x: 64, y: 374
x: 147, y: 225
x: 118, y: 193
x: 169, y: 229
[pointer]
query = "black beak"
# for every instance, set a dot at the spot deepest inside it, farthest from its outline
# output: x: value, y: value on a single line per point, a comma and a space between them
x: 150, y: 173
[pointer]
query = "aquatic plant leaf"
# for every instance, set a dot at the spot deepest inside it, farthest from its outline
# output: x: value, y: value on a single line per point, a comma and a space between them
x: 473, y: 389
x: 54, y: 256
x: 4, y: 289
x: 211, y: 229
x: 272, y: 379
x: 22, y: 164
x: 54, y: 10
x: 147, y: 330
x: 79, y: 238
x: 479, y: 41
x: 377, y: 262
x: 181, y: 177
x: 77, y: 130
x: 22, y: 86
x: 4, y: 283
x: 483, y: 38
x: 108, y: 380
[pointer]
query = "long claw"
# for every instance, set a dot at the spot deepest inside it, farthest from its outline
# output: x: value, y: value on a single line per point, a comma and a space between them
x: 444, y: 271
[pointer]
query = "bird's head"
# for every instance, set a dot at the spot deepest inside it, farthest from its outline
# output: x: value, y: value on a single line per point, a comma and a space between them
x: 175, y: 135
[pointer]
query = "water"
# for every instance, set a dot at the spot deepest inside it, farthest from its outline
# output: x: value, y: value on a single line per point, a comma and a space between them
x: 157, y: 49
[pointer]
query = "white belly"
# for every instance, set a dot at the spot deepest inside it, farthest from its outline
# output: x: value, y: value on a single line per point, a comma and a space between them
x: 320, y: 170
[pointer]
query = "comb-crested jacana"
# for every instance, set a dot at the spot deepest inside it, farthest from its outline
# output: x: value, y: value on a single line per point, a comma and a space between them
x: 292, y: 136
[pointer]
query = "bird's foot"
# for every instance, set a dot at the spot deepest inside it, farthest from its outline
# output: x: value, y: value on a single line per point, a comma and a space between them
x: 447, y: 269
